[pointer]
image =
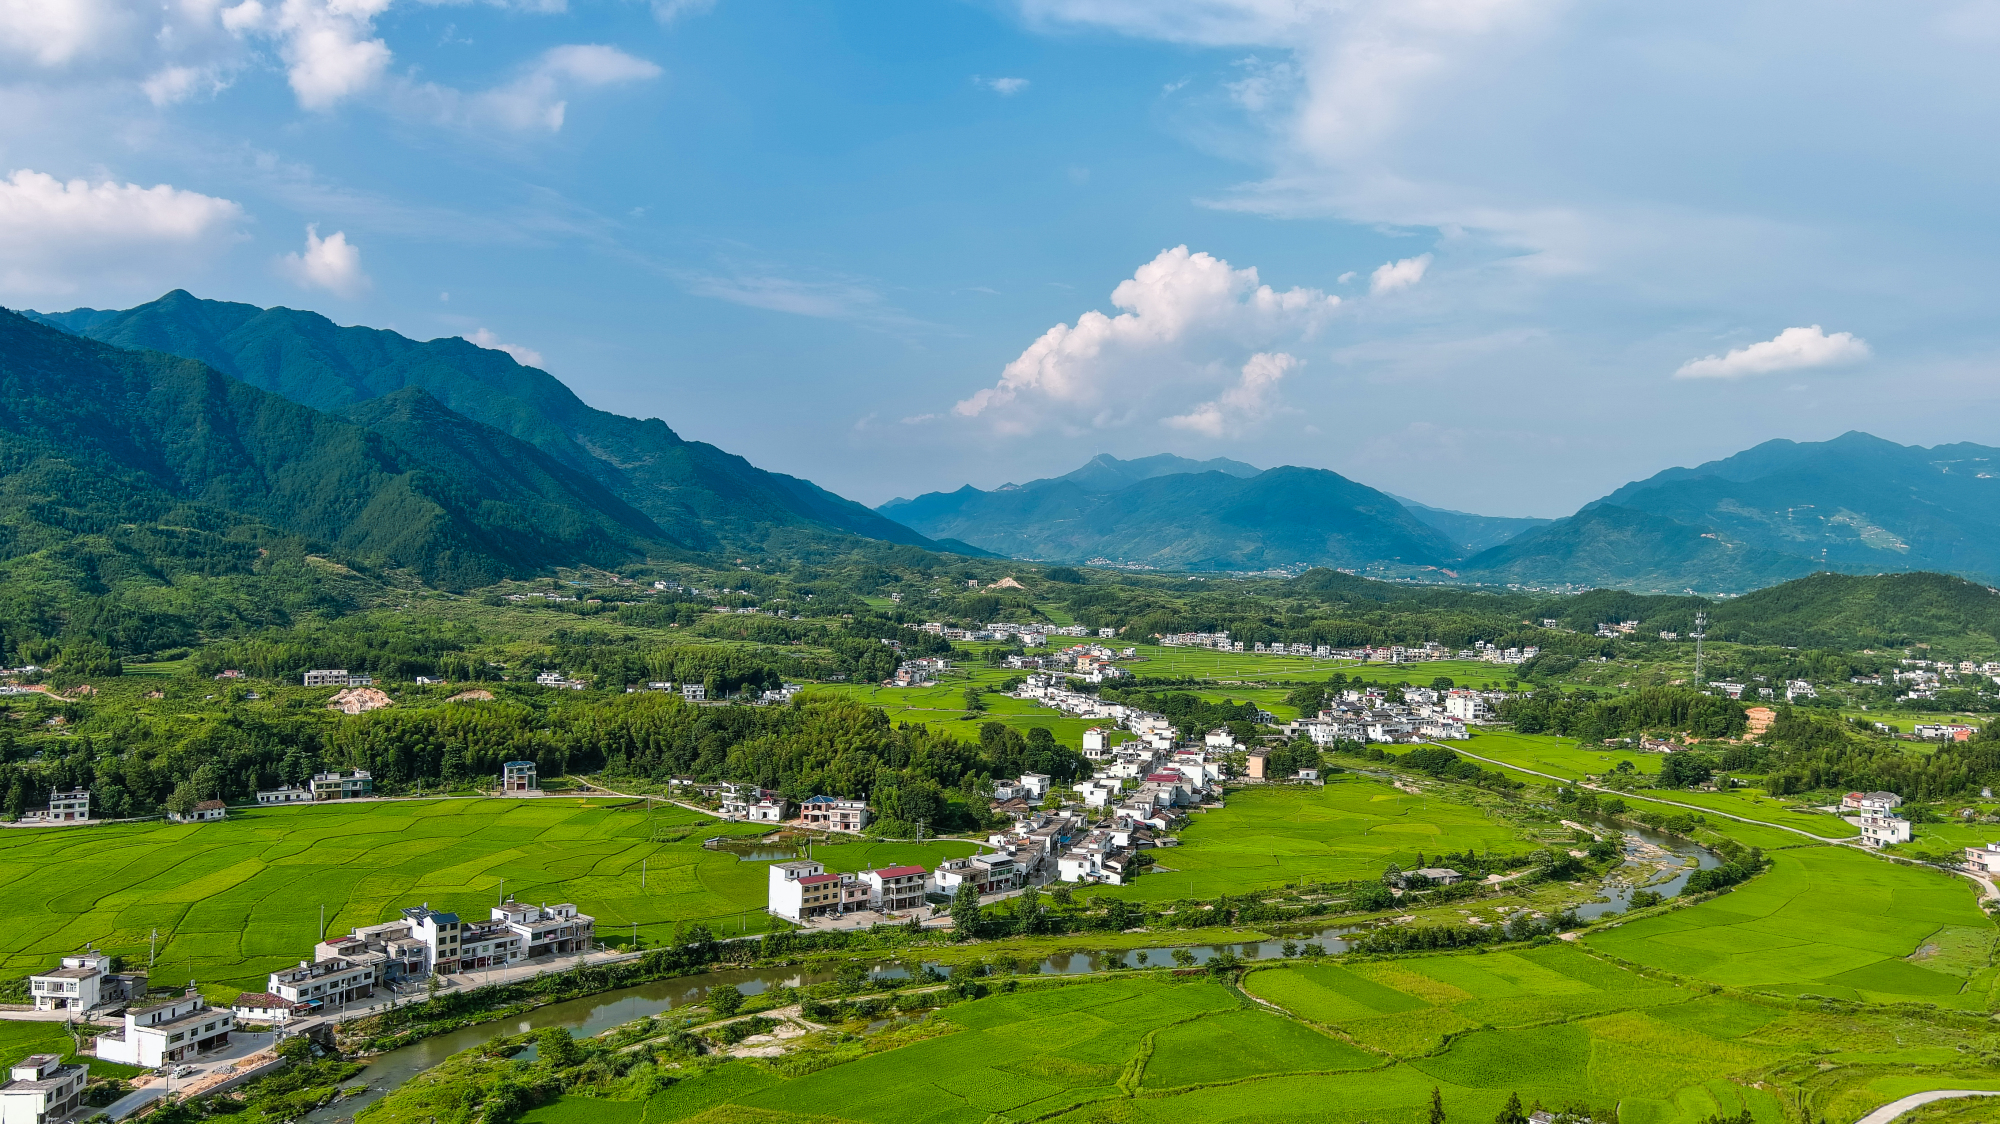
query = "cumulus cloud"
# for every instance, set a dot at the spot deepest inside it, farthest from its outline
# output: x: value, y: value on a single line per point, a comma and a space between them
x: 526, y: 356
x: 1187, y: 317
x: 56, y: 236
x: 1251, y: 400
x: 172, y: 84
x: 1391, y: 276
x: 1005, y: 87
x: 331, y: 263
x: 667, y: 11
x: 1793, y: 349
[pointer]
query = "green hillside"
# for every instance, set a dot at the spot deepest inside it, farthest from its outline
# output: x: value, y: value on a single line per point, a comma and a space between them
x: 698, y: 494
x: 1194, y: 515
x: 1622, y: 547
x: 97, y: 438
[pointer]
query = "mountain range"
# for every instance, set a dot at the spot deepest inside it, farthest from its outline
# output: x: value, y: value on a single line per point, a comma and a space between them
x: 1784, y: 509
x: 1173, y: 513
x: 696, y: 495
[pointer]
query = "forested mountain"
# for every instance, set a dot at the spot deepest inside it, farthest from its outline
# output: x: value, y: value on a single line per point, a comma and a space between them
x: 1621, y: 547
x: 1238, y: 519
x: 96, y: 440
x: 698, y: 494
x: 1472, y: 533
x: 1857, y: 504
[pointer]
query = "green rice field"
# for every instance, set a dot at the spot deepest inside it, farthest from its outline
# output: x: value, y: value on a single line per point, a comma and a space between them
x: 233, y: 900
x: 1351, y: 828
x: 1366, y: 1042
x: 1828, y: 921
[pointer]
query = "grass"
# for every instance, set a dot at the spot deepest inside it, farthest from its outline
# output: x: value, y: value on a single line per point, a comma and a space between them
x: 19, y: 1039
x: 1824, y: 920
x: 233, y: 900
x: 1352, y: 828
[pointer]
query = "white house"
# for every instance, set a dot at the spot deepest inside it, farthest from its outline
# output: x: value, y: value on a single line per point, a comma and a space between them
x: 517, y: 778
x: 1467, y: 707
x: 79, y: 985
x: 694, y: 692
x: 202, y: 812
x: 263, y: 1007
x: 990, y: 874
x: 167, y: 1032
x: 68, y: 807
x: 1870, y: 802
x: 40, y: 1089
x: 802, y: 889
x: 1035, y: 786
x: 335, y: 980
x: 771, y: 809
x: 1219, y: 739
x: 287, y: 795
x: 1096, y: 743
x: 1881, y: 829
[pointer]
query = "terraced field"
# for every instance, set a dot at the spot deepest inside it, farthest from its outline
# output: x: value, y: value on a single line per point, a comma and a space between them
x: 235, y: 899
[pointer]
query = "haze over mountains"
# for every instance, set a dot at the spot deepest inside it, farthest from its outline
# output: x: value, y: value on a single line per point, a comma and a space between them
x: 455, y: 461
x: 1784, y: 509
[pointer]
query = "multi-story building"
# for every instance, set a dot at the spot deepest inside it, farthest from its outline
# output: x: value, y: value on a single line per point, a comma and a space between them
x: 831, y: 813
x: 290, y: 794
x: 549, y: 930
x: 41, y: 1089
x: 517, y: 777
x: 337, y: 677
x: 989, y: 874
x: 895, y: 888
x: 439, y: 932
x: 801, y: 889
x: 342, y: 784
x: 323, y: 982
x: 263, y: 1007
x: 68, y: 807
x: 84, y: 982
x: 167, y: 1032
x: 1883, y: 829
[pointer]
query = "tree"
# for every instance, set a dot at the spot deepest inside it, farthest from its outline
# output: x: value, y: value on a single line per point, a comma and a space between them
x: 183, y: 799
x: 1437, y: 1106
x: 1183, y: 957
x: 974, y: 704
x: 725, y: 1001
x: 965, y: 911
x: 1511, y: 1112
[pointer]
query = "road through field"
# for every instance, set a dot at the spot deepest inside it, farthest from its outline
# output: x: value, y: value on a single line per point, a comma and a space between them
x: 1894, y: 1109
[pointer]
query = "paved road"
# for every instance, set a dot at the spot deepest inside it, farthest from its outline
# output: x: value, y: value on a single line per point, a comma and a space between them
x: 1894, y: 1109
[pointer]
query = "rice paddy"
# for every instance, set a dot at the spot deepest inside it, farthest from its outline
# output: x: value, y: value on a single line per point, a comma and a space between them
x: 1352, y: 828
x: 235, y: 899
x: 1828, y: 921
x: 1367, y: 1041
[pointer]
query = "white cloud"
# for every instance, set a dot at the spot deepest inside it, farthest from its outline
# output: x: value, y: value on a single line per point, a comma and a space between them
x: 331, y: 263
x: 1391, y: 276
x: 1251, y: 400
x: 1187, y: 318
x: 526, y: 356
x: 1006, y: 87
x: 536, y: 99
x: 1793, y: 349
x: 667, y: 11
x: 56, y: 236
x: 179, y: 83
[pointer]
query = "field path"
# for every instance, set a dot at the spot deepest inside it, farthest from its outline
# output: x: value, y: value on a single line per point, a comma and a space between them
x: 1652, y: 799
x: 1894, y: 1109
x: 1987, y: 889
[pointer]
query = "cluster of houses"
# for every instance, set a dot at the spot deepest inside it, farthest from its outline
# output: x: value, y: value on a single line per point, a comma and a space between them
x: 422, y: 942
x: 1794, y: 689
x: 1028, y: 635
x: 1053, y: 691
x: 918, y: 672
x: 1089, y: 662
x: 1425, y: 714
x: 1875, y: 814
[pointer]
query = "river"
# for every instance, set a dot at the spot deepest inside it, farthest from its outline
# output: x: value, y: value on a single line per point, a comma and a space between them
x: 602, y: 1012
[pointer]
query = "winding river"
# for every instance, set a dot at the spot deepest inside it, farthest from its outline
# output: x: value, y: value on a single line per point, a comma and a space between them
x: 1644, y: 849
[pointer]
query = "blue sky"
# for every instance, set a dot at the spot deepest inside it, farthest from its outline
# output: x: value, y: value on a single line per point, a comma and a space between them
x: 1499, y: 255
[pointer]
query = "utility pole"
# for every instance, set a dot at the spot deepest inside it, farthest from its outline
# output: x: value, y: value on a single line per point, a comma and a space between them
x: 152, y: 948
x: 1700, y: 632
x: 642, y: 874
x: 322, y: 922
